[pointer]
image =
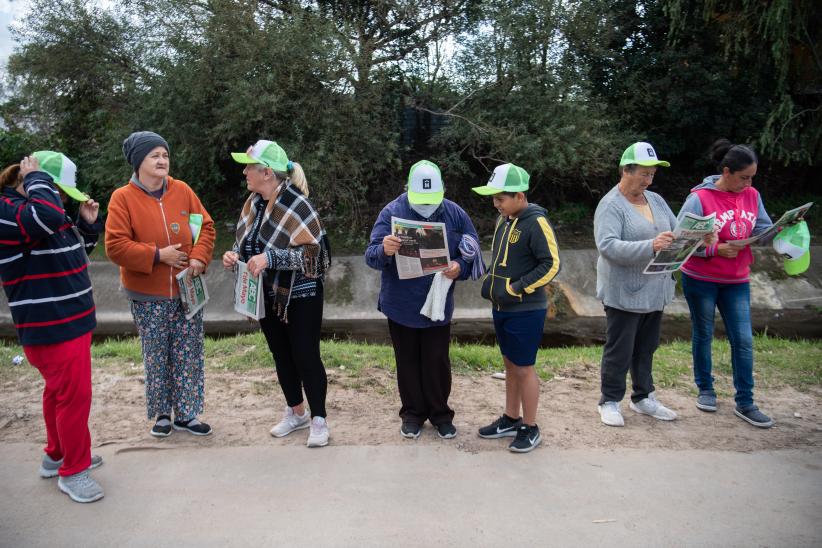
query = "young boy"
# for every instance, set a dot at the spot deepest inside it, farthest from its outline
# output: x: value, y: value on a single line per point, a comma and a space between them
x: 524, y: 258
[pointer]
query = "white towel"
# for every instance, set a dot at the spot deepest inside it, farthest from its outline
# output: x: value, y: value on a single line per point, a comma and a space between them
x: 434, y: 306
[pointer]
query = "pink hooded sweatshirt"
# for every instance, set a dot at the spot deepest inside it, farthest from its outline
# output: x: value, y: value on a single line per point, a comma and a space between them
x: 739, y: 215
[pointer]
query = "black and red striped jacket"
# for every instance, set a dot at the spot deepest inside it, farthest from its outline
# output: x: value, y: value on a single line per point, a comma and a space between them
x: 44, y: 264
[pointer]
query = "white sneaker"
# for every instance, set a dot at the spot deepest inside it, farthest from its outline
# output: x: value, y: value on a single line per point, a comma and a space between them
x: 318, y: 435
x: 651, y: 406
x: 610, y: 414
x: 291, y: 422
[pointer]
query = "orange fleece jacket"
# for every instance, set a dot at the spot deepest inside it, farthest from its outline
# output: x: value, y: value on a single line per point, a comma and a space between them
x: 138, y: 223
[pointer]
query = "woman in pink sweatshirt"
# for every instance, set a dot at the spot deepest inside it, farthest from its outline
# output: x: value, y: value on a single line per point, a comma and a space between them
x: 718, y: 276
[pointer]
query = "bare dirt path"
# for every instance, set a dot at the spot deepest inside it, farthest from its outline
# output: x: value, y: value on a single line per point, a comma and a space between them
x: 362, y: 410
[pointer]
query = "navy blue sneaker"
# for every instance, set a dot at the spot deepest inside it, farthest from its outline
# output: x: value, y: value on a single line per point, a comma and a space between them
x: 706, y: 400
x: 753, y: 415
x: 410, y: 430
x: 528, y: 438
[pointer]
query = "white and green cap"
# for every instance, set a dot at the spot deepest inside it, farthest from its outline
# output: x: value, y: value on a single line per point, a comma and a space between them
x: 505, y: 178
x: 642, y: 154
x: 425, y: 184
x: 267, y: 153
x: 794, y: 244
x: 62, y: 171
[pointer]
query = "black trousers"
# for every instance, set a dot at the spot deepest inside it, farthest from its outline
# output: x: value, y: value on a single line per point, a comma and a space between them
x: 423, y: 372
x: 630, y: 342
x: 296, y: 349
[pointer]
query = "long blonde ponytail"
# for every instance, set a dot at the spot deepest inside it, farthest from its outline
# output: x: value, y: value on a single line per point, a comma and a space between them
x: 297, y: 176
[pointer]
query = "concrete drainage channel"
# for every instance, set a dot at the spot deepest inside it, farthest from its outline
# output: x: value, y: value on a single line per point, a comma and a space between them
x: 782, y: 305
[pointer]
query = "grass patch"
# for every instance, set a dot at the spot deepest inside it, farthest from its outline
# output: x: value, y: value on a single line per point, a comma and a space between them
x: 778, y: 362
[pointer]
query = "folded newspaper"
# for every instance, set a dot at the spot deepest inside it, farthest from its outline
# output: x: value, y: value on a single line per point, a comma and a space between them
x: 787, y: 218
x: 248, y: 292
x: 424, y: 248
x: 193, y: 292
x: 688, y: 236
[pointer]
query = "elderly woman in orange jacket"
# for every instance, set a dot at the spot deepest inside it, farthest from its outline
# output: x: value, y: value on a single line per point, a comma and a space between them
x: 149, y: 237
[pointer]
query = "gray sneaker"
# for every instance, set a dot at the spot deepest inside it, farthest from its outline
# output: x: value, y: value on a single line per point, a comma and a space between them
x: 49, y: 467
x: 650, y: 406
x: 80, y: 487
x: 754, y: 416
x: 706, y: 400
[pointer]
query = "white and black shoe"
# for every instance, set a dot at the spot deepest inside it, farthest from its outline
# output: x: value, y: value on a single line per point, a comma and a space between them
x: 162, y: 428
x: 503, y: 427
x: 410, y: 430
x: 193, y: 426
x: 446, y: 430
x: 527, y: 439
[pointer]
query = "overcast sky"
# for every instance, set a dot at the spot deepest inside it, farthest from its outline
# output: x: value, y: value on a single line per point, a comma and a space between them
x: 10, y: 10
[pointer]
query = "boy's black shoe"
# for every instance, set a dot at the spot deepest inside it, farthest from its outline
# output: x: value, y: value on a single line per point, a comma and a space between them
x: 503, y: 427
x: 193, y: 426
x: 161, y: 428
x: 410, y: 430
x: 446, y: 430
x: 527, y: 439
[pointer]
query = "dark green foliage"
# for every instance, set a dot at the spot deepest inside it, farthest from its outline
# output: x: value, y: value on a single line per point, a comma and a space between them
x: 557, y: 86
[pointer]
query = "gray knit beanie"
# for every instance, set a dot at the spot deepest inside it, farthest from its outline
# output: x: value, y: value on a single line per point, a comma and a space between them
x: 137, y: 146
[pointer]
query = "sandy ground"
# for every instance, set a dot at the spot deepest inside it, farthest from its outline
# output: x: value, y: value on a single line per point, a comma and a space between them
x: 362, y: 410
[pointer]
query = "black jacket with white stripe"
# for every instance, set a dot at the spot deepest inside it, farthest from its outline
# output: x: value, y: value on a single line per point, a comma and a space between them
x: 44, y: 264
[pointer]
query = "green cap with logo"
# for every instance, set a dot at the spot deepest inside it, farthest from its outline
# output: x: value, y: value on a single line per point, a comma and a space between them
x: 505, y: 178
x: 794, y: 244
x: 425, y: 184
x: 62, y: 171
x: 267, y: 153
x: 642, y: 154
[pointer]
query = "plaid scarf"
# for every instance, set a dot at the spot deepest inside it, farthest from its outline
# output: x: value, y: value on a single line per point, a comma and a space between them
x: 289, y: 221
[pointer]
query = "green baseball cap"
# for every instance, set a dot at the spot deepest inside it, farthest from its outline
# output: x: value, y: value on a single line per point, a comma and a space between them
x: 642, y: 154
x: 425, y: 184
x: 794, y: 244
x: 505, y: 178
x: 62, y: 171
x: 267, y: 153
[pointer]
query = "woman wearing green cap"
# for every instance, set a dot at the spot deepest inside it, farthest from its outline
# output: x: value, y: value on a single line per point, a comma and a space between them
x: 421, y: 337
x: 149, y: 235
x: 279, y: 233
x: 44, y: 270
x: 631, y: 224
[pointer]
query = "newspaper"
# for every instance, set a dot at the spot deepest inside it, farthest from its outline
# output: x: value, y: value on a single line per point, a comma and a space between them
x: 424, y: 248
x: 787, y: 218
x: 193, y: 292
x: 689, y: 234
x: 248, y: 292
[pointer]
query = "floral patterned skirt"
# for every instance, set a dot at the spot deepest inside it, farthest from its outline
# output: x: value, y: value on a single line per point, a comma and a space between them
x: 173, y: 356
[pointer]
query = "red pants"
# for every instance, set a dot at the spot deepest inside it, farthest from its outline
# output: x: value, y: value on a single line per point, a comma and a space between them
x: 66, y: 368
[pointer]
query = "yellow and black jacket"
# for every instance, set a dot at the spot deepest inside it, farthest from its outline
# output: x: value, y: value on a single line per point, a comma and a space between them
x: 524, y: 258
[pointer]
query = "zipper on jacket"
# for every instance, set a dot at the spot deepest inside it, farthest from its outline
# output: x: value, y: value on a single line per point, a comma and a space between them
x: 168, y: 237
x: 494, y: 263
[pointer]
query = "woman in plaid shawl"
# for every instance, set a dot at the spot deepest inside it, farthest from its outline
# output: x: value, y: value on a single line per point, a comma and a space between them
x: 279, y: 233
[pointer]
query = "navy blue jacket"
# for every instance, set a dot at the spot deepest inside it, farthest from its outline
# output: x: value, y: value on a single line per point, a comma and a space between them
x: 401, y: 300
x: 44, y: 265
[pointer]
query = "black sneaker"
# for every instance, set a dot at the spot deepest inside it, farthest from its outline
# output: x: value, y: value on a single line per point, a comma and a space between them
x: 446, y: 430
x: 410, y: 430
x: 193, y: 426
x: 754, y: 416
x: 161, y: 430
x: 527, y: 439
x: 503, y: 427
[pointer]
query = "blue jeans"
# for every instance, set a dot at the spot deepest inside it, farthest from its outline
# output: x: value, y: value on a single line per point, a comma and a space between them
x: 734, y: 302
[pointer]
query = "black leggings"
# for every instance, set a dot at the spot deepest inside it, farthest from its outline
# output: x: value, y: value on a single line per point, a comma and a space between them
x: 296, y: 349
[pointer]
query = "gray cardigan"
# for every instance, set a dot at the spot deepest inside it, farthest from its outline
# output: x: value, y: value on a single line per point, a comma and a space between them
x: 624, y: 239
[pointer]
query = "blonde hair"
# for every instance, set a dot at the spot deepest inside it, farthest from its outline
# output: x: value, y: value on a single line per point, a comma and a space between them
x: 11, y: 176
x: 297, y: 176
